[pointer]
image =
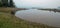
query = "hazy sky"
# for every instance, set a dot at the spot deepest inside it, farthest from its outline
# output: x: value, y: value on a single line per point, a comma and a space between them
x: 37, y: 3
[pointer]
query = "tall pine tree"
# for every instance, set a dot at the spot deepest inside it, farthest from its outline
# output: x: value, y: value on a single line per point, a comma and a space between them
x: 11, y: 4
x: 6, y: 3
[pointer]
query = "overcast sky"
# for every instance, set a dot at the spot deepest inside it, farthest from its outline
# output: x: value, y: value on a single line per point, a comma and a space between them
x: 37, y: 3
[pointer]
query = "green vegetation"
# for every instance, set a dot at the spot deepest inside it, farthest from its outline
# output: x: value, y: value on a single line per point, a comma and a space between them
x: 8, y: 20
x: 6, y: 3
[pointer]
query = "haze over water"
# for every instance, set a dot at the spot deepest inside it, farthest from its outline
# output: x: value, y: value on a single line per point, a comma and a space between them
x: 37, y: 3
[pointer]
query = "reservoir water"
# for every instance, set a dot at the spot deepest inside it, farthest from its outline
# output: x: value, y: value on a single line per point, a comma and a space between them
x: 50, y: 18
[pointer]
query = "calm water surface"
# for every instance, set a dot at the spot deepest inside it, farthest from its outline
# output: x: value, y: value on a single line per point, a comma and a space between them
x: 40, y: 16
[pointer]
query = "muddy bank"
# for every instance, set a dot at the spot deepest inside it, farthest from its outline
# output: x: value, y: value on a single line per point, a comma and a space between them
x: 10, y: 10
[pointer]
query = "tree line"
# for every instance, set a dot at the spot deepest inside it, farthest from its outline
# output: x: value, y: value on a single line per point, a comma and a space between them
x: 6, y: 3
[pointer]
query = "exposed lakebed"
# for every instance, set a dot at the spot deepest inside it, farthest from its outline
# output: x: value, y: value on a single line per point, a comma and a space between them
x: 50, y: 18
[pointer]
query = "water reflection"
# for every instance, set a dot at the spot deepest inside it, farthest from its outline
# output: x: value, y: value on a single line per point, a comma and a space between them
x: 49, y: 17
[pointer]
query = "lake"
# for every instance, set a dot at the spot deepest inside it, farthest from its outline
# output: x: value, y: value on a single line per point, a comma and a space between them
x: 50, y: 18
